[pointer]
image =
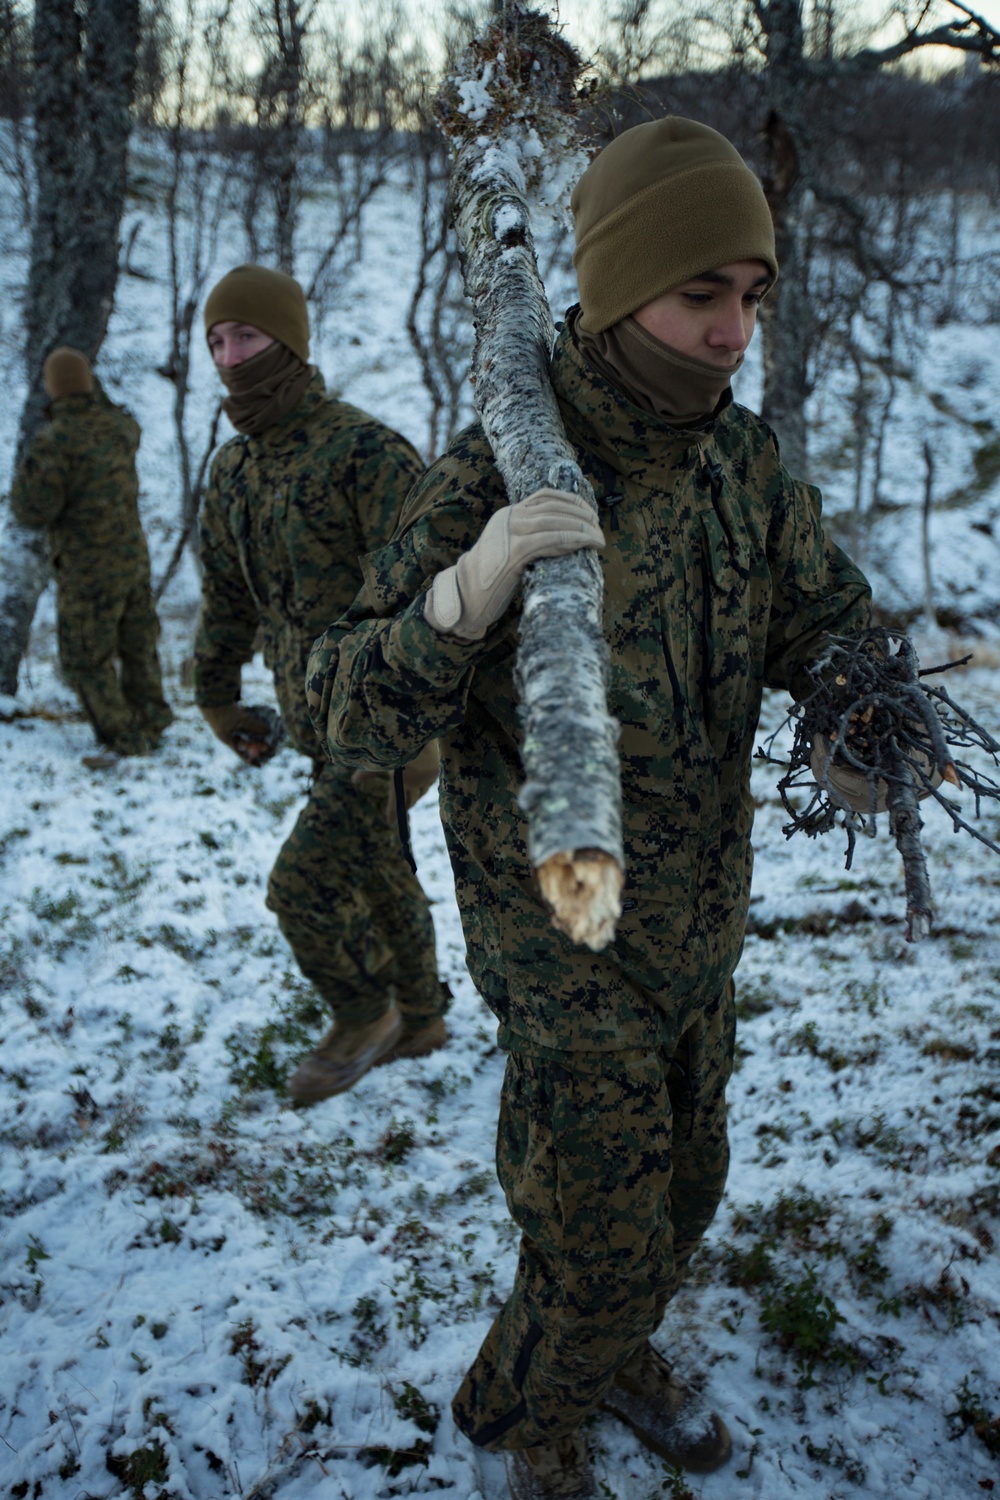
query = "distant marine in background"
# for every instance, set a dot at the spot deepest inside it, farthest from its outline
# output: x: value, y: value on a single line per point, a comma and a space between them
x: 78, y: 480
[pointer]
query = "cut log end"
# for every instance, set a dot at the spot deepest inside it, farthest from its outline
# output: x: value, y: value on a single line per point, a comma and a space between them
x: 584, y: 894
x: 918, y: 925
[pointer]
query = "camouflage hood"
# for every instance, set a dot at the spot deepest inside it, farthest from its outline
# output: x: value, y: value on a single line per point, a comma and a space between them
x: 718, y: 579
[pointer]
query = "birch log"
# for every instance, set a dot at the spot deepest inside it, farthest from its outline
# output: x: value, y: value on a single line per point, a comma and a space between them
x: 498, y: 118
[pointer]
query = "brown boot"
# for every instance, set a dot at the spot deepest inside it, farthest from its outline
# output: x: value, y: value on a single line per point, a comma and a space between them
x: 417, y: 1043
x: 667, y: 1415
x: 343, y: 1056
x: 552, y: 1471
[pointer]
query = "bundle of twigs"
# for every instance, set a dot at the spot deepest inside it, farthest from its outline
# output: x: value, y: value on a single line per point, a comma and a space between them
x: 872, y: 710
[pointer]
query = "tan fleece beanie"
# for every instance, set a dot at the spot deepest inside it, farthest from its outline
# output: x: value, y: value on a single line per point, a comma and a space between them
x: 66, y: 372
x: 662, y: 202
x: 268, y: 300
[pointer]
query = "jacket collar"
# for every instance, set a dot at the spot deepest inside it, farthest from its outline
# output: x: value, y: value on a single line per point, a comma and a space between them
x: 600, y: 417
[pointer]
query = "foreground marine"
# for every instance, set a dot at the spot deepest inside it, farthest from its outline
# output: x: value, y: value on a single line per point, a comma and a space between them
x: 718, y: 580
x: 310, y: 485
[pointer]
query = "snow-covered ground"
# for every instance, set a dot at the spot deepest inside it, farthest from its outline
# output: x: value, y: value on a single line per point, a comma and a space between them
x: 206, y: 1294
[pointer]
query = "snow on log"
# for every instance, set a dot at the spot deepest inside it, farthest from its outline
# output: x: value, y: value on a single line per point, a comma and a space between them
x: 500, y: 119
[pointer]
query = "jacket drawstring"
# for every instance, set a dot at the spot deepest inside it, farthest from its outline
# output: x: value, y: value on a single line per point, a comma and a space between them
x: 402, y: 821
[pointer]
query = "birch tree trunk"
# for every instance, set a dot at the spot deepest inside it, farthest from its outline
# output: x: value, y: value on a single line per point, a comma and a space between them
x: 787, y: 320
x: 513, y: 102
x: 84, y: 72
x: 798, y: 177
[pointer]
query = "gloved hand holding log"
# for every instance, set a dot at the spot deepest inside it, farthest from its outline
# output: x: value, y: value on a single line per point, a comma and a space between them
x: 466, y: 599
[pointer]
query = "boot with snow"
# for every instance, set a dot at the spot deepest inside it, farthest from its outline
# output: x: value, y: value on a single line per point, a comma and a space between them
x: 551, y: 1471
x: 343, y: 1056
x: 417, y: 1043
x: 667, y: 1415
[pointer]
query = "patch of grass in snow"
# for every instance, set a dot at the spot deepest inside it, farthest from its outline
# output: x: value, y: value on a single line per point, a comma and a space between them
x: 184, y: 944
x: 971, y: 1414
x: 369, y: 1334
x: 807, y: 1038
x: 943, y: 1303
x: 834, y: 1454
x: 412, y: 1406
x: 260, y: 1057
x: 125, y: 1122
x: 259, y: 1368
x: 12, y: 836
x: 395, y: 1143
x: 950, y: 1051
x: 804, y: 1319
x: 777, y: 1267
x: 69, y: 922
x: 979, y: 1112
x: 146, y: 1466
x: 755, y: 997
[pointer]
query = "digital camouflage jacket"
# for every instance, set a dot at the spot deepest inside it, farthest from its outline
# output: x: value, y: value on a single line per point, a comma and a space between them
x: 718, y: 579
x: 78, y: 480
x: 285, y: 518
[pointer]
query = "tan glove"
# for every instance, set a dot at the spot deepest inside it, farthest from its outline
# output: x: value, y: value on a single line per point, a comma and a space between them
x: 253, y: 731
x: 469, y: 597
x: 418, y: 778
x: 851, y: 787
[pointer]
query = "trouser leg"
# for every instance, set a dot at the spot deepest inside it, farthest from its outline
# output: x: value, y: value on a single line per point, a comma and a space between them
x: 587, y: 1151
x: 697, y: 1078
x: 353, y: 913
x: 88, y: 639
x: 142, y: 679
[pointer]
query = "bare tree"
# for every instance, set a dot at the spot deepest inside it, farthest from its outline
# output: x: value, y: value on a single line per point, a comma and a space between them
x: 367, y: 101
x: 84, y: 70
x: 15, y: 99
x: 797, y: 177
x: 195, y: 202
x: 270, y: 88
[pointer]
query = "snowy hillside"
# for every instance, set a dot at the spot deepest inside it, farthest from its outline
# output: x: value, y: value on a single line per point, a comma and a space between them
x: 205, y: 1294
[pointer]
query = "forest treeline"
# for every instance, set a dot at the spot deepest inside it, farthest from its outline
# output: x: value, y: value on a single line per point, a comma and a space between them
x: 888, y: 131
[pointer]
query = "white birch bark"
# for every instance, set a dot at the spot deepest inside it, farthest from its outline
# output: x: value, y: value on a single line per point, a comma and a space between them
x: 572, y: 792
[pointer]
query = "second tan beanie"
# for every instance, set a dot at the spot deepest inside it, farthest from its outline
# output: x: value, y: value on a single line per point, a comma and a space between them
x: 66, y: 372
x: 662, y: 202
x: 265, y: 299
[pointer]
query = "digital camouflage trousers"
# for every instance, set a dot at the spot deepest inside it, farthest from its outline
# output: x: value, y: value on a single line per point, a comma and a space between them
x: 108, y: 656
x: 351, y: 909
x: 613, y: 1165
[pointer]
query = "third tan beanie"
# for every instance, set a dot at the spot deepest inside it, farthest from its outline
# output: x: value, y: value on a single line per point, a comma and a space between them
x: 662, y: 202
x: 66, y: 372
x: 265, y: 299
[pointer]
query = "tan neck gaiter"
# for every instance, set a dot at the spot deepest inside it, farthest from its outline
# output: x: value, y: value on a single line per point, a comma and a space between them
x: 680, y: 390
x: 264, y: 389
